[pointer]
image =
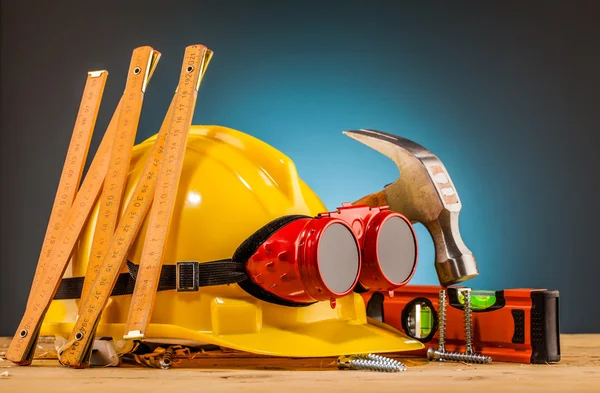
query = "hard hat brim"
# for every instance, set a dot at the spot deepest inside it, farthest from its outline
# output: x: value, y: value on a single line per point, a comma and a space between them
x: 322, y: 339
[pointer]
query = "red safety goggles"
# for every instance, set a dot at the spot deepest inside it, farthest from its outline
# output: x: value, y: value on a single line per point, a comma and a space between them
x: 300, y: 259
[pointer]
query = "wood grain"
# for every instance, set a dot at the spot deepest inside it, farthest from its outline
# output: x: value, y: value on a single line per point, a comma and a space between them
x: 579, y: 371
x: 373, y: 200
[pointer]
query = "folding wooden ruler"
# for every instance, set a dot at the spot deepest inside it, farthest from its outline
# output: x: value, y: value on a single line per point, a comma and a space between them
x: 168, y: 151
x: 142, y: 66
x: 70, y: 177
x: 22, y: 347
x: 142, y: 303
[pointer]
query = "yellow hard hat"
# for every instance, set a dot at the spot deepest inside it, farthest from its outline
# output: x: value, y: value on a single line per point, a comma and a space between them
x: 233, y: 187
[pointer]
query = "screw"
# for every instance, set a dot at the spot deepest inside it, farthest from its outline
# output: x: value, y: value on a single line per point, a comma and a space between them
x: 432, y: 354
x: 468, y: 322
x: 167, y: 359
x: 382, y: 359
x: 442, y: 321
x: 370, y: 362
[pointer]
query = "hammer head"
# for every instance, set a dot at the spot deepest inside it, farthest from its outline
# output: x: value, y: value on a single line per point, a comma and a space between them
x: 425, y: 193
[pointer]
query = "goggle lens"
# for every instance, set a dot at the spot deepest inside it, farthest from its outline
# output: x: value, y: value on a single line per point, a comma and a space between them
x: 338, y: 258
x: 396, y: 250
x: 388, y: 245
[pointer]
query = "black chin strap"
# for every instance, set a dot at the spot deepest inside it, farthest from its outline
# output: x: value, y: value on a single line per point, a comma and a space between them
x: 182, y: 277
x: 189, y: 276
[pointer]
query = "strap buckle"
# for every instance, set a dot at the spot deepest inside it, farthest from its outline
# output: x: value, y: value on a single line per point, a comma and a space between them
x: 187, y: 276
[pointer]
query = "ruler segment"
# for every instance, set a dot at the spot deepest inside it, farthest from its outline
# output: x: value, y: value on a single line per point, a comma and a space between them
x: 22, y: 347
x: 196, y: 60
x: 143, y: 63
x: 76, y: 353
x: 70, y: 177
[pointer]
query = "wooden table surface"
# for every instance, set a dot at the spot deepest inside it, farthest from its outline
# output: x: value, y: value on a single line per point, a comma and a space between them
x: 578, y: 371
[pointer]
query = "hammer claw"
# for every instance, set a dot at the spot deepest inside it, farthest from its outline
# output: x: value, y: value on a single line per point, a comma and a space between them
x: 378, y: 139
x: 424, y: 193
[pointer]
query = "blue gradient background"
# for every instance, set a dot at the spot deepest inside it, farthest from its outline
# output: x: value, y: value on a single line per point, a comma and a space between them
x: 504, y: 93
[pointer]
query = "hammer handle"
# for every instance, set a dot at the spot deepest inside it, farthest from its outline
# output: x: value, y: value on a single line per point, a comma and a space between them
x: 373, y: 200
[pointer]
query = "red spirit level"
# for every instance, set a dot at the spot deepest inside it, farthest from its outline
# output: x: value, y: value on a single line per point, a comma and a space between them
x: 511, y: 325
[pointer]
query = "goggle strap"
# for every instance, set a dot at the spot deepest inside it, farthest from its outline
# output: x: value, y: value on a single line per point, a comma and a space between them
x: 251, y: 244
x: 249, y: 247
x: 196, y: 275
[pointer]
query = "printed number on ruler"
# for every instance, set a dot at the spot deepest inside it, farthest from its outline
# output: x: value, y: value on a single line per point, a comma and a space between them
x: 73, y: 167
x: 196, y: 60
x: 75, y: 353
x: 22, y: 348
x: 143, y: 63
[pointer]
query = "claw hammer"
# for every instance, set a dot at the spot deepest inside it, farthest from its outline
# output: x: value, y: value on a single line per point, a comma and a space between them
x: 423, y: 193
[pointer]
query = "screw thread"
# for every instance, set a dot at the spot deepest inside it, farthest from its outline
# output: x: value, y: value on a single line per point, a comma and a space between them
x: 463, y: 357
x: 468, y: 322
x: 383, y: 359
x: 365, y: 364
x: 458, y: 357
x: 167, y: 359
x: 442, y: 321
x: 371, y: 362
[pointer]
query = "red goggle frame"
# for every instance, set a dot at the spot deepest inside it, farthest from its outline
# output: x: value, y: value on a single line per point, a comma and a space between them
x: 325, y: 257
